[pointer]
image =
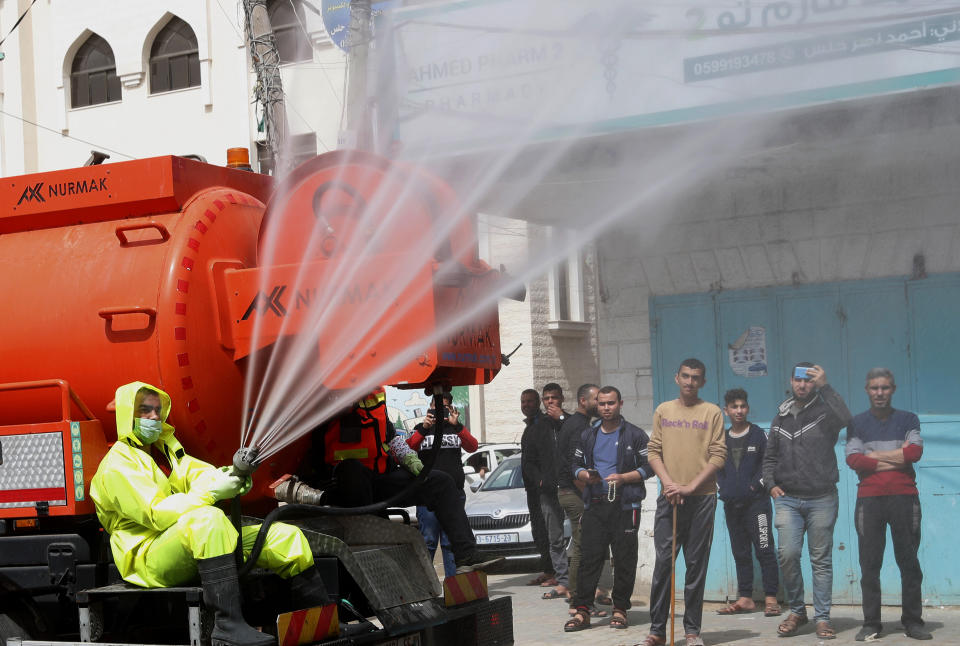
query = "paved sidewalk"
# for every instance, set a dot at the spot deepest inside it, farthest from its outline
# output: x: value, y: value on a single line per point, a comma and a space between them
x: 536, y: 621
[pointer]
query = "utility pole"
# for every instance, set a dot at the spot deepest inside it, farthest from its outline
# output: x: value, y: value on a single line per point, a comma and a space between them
x: 358, y: 43
x: 269, y: 89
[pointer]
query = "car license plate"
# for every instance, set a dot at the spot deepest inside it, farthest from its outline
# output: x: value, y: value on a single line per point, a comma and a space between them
x: 493, y: 539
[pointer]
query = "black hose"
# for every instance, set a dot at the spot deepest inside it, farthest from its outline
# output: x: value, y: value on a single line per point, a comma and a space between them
x: 374, y: 508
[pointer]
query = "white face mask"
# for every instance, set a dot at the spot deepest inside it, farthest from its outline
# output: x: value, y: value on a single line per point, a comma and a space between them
x: 147, y: 430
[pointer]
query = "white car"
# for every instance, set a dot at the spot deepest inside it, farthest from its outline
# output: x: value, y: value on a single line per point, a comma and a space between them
x: 499, y: 516
x: 476, y: 467
x: 479, y: 464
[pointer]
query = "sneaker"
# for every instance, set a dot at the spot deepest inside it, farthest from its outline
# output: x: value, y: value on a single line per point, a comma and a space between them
x: 476, y: 562
x: 916, y: 631
x: 867, y: 634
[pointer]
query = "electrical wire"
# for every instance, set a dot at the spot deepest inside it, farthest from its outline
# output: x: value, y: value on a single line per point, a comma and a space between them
x: 17, y: 24
x: 306, y: 35
x: 58, y: 132
x: 230, y: 22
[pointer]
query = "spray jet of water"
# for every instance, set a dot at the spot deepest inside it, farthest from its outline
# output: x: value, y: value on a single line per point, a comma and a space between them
x: 294, y: 397
x: 300, y: 419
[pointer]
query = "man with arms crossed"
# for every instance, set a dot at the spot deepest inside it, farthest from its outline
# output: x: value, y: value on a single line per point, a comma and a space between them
x: 882, y: 445
x: 800, y: 472
x: 686, y: 451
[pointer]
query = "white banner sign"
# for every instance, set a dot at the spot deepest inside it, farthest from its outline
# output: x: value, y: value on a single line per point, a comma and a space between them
x: 477, y: 73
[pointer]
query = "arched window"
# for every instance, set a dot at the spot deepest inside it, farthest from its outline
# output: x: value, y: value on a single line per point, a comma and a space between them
x: 289, y: 29
x: 174, y: 58
x: 93, y: 77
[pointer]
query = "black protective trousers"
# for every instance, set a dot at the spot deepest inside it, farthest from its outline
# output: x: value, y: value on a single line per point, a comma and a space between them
x: 871, y: 517
x: 606, y: 525
x: 750, y: 523
x: 356, y: 486
x: 694, y: 537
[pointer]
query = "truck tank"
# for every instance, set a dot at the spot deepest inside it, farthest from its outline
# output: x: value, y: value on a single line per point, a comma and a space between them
x: 153, y: 270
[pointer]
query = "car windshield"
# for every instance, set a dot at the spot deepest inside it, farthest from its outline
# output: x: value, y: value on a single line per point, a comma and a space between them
x: 505, y: 476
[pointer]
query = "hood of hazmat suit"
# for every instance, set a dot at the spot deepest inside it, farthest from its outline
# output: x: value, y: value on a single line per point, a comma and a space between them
x: 136, y: 501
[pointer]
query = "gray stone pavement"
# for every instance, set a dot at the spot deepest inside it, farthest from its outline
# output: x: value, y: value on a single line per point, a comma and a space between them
x: 536, y: 621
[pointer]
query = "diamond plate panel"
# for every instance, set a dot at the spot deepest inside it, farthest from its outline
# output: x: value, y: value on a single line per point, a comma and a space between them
x: 32, y: 461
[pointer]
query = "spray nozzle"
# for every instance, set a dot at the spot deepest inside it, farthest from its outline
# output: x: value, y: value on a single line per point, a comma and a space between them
x: 245, y: 461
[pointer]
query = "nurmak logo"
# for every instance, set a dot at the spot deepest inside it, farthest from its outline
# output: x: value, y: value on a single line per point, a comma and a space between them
x: 262, y: 303
x: 31, y: 193
x: 63, y: 189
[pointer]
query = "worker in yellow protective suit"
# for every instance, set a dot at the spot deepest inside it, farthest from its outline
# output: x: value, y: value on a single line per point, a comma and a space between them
x: 164, y: 530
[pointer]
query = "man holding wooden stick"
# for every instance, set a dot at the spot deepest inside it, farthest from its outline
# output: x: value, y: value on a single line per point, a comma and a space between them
x: 686, y: 450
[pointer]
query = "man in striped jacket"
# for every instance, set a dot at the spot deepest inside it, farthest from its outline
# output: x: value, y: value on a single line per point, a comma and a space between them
x: 800, y: 472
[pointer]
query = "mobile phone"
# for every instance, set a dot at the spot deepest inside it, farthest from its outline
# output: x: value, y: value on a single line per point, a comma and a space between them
x: 593, y: 473
x: 801, y: 372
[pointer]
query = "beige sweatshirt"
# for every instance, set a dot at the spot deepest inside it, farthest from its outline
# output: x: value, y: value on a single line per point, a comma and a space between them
x: 686, y: 438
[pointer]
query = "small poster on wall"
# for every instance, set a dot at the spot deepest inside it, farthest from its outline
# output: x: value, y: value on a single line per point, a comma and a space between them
x: 748, y: 354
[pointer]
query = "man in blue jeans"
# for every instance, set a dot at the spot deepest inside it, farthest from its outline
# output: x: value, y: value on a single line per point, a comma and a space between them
x: 800, y: 472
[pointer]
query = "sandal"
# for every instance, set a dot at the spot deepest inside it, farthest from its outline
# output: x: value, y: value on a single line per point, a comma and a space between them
x: 603, y: 600
x: 593, y: 612
x: 734, y: 609
x: 580, y: 621
x: 619, y: 619
x: 653, y: 640
x: 549, y: 582
x: 825, y: 630
x: 555, y: 594
x: 772, y: 610
x: 694, y: 640
x: 791, y: 624
x: 539, y: 579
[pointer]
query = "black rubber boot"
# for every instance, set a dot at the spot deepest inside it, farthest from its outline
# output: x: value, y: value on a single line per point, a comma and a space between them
x: 221, y: 592
x: 307, y: 589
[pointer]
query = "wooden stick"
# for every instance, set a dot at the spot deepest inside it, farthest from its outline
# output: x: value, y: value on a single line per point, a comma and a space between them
x: 673, y: 574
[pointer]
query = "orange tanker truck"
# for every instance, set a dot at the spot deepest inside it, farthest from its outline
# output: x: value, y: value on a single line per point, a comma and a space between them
x: 206, y: 282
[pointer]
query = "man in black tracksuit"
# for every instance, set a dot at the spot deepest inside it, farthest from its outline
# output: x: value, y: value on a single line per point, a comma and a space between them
x: 530, y: 407
x: 746, y: 506
x: 800, y: 472
x: 612, y: 461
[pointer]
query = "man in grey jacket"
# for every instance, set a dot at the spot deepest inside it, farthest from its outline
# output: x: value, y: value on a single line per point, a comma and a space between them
x: 800, y: 472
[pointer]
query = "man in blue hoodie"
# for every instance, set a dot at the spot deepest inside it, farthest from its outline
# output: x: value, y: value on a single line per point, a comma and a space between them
x: 747, y: 508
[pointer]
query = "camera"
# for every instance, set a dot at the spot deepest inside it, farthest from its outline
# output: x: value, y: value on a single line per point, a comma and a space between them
x: 801, y: 372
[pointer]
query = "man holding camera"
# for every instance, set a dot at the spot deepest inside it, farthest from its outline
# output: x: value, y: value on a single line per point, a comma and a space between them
x: 454, y: 436
x: 800, y: 472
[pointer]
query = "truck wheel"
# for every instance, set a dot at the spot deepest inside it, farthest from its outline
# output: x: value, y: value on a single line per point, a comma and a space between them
x: 10, y: 628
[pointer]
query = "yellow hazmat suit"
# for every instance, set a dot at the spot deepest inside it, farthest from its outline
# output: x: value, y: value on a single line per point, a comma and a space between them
x: 158, y: 525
